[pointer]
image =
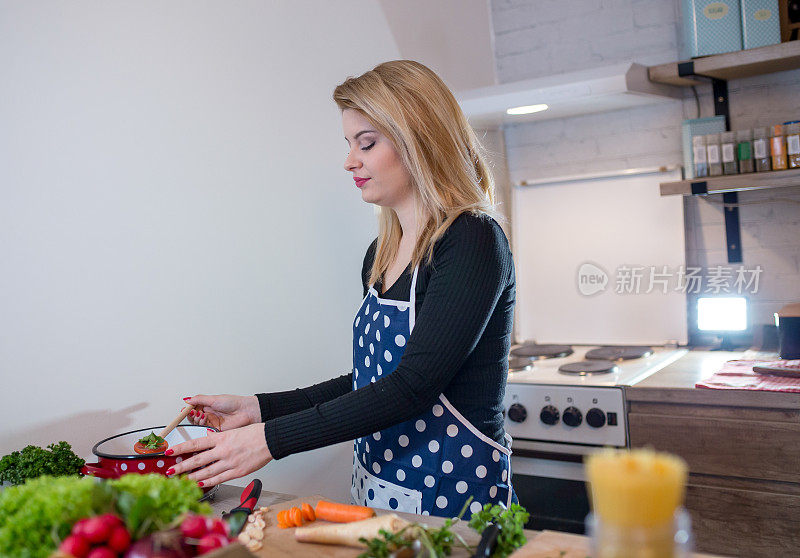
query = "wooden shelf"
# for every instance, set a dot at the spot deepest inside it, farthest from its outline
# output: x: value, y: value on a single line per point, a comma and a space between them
x: 732, y: 65
x: 732, y: 183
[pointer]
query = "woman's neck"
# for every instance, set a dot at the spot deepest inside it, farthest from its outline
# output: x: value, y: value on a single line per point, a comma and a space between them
x: 407, y: 215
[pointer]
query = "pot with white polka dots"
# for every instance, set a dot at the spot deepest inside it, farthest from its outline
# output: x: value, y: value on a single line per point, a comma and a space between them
x: 433, y: 463
x: 115, y: 455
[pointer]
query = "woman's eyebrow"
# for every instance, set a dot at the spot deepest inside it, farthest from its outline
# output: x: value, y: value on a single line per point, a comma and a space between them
x: 355, y: 137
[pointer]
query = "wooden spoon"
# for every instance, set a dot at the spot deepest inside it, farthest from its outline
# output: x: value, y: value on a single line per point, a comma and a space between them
x: 176, y: 421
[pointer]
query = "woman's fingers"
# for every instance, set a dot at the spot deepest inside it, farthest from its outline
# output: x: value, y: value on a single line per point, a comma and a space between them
x: 213, y: 469
x: 222, y: 477
x: 201, y: 400
x: 213, y: 421
x: 232, y: 454
x: 195, y: 462
x: 189, y: 446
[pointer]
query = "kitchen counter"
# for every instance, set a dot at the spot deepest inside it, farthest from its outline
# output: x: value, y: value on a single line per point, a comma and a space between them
x: 742, y: 448
x: 541, y: 544
x: 675, y: 384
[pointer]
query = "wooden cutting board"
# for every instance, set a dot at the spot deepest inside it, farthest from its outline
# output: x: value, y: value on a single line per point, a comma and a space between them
x: 280, y: 542
x: 553, y: 544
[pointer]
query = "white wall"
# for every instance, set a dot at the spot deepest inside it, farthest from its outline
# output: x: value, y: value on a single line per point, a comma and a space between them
x: 452, y: 37
x: 174, y: 215
x: 534, y: 38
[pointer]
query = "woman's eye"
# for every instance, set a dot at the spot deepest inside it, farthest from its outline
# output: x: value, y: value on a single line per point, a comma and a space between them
x: 368, y: 147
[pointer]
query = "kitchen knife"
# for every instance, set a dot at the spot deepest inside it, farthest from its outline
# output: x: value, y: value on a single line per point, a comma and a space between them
x: 237, y: 517
x: 488, y: 541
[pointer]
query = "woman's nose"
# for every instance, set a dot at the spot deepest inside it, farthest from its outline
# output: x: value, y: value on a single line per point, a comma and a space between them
x: 351, y: 162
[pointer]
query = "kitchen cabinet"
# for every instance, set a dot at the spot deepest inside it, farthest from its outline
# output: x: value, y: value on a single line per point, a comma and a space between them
x: 743, y: 451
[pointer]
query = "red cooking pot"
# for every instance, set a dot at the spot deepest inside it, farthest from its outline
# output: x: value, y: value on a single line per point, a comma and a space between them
x: 115, y: 455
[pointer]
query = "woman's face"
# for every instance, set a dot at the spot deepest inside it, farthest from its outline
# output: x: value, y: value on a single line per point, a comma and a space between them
x: 376, y: 166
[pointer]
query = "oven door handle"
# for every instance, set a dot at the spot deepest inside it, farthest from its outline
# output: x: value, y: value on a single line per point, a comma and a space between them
x: 550, y: 456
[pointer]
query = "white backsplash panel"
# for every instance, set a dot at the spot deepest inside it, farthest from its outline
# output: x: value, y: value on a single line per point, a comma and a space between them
x: 579, y: 247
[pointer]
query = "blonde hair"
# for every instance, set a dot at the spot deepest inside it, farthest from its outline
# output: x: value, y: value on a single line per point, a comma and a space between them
x: 409, y: 104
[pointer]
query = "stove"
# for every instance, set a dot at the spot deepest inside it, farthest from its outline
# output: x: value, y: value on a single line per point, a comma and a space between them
x: 560, y: 409
x: 572, y: 400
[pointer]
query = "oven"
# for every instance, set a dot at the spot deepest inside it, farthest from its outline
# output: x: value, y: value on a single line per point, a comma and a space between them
x: 560, y: 408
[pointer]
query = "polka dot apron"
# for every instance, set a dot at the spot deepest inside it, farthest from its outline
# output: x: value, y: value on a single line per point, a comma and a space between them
x: 432, y: 463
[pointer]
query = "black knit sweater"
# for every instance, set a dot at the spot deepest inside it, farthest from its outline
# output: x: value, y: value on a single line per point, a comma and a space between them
x: 459, y: 346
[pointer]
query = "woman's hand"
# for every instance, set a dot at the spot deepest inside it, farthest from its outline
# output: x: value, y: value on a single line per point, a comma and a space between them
x: 223, y: 455
x: 224, y: 412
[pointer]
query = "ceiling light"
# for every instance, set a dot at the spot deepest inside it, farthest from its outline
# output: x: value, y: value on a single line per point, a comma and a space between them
x: 527, y: 109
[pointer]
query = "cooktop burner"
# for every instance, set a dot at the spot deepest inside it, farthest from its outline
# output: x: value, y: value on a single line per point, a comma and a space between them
x: 534, y: 350
x: 615, y: 353
x: 587, y: 367
x: 518, y: 364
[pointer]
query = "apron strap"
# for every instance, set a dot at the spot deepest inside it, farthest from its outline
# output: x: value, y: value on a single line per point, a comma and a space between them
x: 412, y: 298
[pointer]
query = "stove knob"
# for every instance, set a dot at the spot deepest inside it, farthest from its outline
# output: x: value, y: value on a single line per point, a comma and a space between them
x: 572, y: 416
x: 595, y: 418
x: 549, y: 415
x: 517, y: 413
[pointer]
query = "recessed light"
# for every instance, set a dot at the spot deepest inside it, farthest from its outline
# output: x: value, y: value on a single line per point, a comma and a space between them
x: 527, y: 109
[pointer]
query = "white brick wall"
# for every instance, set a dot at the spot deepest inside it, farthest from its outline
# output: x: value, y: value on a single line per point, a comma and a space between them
x: 542, y: 37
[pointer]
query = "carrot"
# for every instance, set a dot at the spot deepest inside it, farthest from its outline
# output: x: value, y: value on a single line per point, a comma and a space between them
x: 296, y: 516
x: 308, y: 512
x: 350, y: 533
x: 282, y: 516
x: 342, y: 513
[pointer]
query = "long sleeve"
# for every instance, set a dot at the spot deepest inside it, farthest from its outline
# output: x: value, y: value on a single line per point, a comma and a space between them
x: 280, y: 403
x: 471, y: 268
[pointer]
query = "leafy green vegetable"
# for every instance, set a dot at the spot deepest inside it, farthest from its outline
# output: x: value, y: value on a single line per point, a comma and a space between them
x: 149, y: 503
x: 40, y: 513
x: 58, y: 460
x: 37, y: 515
x: 437, y: 542
x: 152, y: 441
x: 511, y: 522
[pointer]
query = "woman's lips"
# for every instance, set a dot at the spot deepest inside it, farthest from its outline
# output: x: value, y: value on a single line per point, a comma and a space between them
x: 360, y: 181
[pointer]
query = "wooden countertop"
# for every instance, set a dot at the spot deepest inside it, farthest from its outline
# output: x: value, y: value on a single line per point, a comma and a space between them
x: 675, y: 384
x: 541, y: 544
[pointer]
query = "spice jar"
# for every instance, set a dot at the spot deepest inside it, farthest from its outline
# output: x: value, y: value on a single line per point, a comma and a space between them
x: 744, y: 150
x: 793, y: 144
x: 761, y: 150
x: 777, y: 145
x: 728, y: 141
x: 700, y: 157
x: 712, y: 149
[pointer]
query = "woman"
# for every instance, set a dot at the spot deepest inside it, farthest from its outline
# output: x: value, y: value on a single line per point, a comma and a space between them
x: 425, y: 408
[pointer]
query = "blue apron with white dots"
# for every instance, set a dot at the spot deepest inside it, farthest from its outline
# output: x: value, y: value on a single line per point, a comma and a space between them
x: 432, y: 463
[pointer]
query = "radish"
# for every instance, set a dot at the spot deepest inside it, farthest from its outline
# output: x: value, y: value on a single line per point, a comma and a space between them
x: 75, y: 545
x: 210, y: 542
x: 101, y: 552
x: 97, y: 529
x: 194, y: 526
x: 216, y: 526
x: 120, y: 540
x: 77, y: 529
x: 163, y: 544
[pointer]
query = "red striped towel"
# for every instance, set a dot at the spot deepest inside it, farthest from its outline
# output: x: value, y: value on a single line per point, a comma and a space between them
x: 738, y: 374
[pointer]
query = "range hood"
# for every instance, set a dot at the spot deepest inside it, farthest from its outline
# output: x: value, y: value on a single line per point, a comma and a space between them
x: 587, y: 91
